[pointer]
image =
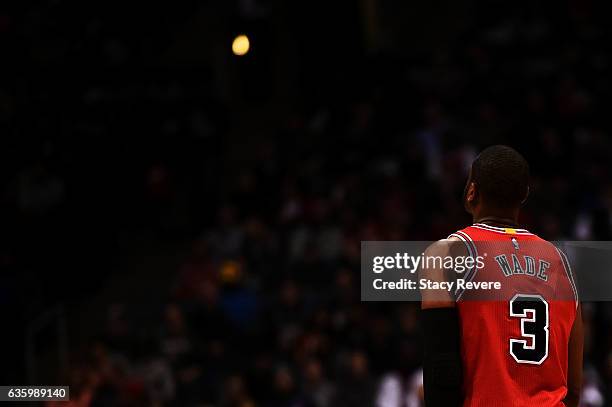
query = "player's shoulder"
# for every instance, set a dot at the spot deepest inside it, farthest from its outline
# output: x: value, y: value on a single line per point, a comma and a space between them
x: 441, y: 247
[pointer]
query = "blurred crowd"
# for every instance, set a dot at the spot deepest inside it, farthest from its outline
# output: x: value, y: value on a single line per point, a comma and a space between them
x: 271, y: 208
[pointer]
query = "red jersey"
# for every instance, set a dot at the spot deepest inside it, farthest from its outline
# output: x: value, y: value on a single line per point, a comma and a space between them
x: 515, y: 348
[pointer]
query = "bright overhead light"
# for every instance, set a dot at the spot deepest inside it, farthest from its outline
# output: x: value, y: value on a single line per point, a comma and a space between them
x: 241, y: 45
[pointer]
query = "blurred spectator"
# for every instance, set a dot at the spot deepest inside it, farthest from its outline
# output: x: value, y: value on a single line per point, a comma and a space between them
x: 356, y: 387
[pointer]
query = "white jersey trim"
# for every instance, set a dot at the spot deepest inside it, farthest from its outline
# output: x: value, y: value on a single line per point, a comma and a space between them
x: 511, y: 231
x: 568, y: 271
x: 473, y: 253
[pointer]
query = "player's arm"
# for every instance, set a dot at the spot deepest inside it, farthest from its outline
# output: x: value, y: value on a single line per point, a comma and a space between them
x: 574, y: 379
x: 442, y: 368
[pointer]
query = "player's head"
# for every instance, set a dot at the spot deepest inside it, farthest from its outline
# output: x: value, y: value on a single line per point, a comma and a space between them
x: 498, y: 181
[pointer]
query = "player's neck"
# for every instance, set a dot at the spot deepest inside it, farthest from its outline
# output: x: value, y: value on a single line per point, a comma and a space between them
x: 500, y: 218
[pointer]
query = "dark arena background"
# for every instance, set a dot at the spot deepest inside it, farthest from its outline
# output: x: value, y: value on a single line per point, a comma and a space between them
x: 185, y: 185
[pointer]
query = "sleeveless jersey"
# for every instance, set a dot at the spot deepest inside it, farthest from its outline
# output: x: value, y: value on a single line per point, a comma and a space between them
x: 514, y: 346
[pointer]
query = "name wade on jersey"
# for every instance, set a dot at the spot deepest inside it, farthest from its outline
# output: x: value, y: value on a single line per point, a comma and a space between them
x: 513, y: 266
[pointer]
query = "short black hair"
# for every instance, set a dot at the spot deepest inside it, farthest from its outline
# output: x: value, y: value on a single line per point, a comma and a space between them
x: 501, y: 174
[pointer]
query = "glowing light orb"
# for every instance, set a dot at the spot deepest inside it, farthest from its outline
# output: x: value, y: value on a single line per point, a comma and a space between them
x: 241, y: 45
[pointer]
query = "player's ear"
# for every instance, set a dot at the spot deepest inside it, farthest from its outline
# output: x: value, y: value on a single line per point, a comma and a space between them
x: 526, y: 196
x: 471, y: 192
x: 469, y: 196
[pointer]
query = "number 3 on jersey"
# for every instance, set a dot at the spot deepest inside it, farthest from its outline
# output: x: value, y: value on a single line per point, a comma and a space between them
x: 532, y: 311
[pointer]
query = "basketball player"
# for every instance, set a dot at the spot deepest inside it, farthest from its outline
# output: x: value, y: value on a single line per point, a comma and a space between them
x: 523, y: 348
